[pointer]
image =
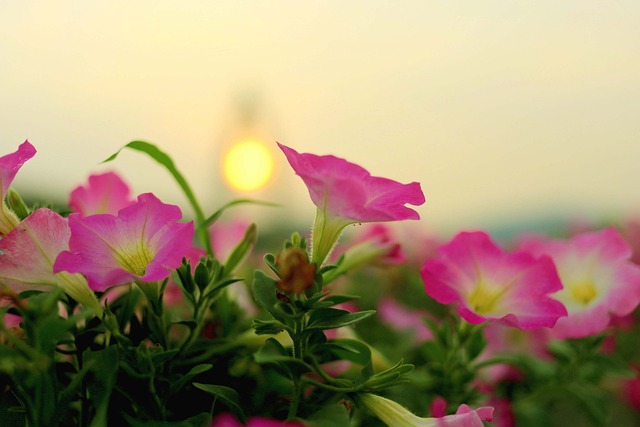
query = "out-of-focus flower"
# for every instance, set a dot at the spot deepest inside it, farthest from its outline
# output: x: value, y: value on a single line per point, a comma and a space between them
x: 395, y: 415
x: 28, y: 253
x: 490, y: 284
x: 9, y: 166
x: 631, y: 389
x: 503, y: 415
x: 402, y: 318
x: 598, y: 276
x: 226, y: 235
x: 502, y: 339
x: 345, y: 193
x: 143, y: 242
x: 105, y: 193
x: 228, y: 420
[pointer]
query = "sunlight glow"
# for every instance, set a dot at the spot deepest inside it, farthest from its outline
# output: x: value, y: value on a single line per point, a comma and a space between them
x: 247, y: 165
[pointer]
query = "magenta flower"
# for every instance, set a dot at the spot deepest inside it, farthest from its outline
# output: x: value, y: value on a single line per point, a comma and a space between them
x: 402, y: 318
x: 345, y: 193
x: 9, y: 166
x: 228, y: 420
x: 27, y: 254
x: 490, y: 284
x: 598, y: 276
x: 143, y: 242
x: 226, y: 235
x: 104, y: 193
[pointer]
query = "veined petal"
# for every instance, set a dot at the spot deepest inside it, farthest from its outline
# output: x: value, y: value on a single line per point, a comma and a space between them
x: 347, y: 190
x: 489, y: 284
x: 143, y: 242
x: 598, y: 276
x: 28, y: 252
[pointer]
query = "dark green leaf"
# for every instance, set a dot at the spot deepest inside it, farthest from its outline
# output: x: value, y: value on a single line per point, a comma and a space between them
x: 264, y: 291
x: 184, y: 379
x: 325, y: 319
x: 227, y: 395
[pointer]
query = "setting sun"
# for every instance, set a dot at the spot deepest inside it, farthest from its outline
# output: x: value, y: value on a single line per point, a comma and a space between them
x: 247, y: 165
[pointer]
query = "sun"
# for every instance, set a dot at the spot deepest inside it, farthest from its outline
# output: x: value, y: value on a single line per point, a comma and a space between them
x: 247, y: 165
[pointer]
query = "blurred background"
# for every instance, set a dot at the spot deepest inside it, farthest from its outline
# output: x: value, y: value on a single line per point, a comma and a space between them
x: 510, y: 114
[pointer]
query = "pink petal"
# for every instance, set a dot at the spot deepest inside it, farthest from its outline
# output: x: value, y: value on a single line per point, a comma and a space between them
x: 599, y: 259
x: 489, y: 284
x: 28, y: 251
x: 11, y: 163
x: 467, y: 417
x: 144, y: 242
x: 347, y: 190
x: 104, y: 193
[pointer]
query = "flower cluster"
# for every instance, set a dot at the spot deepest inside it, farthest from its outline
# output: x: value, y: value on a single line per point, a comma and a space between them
x: 116, y: 310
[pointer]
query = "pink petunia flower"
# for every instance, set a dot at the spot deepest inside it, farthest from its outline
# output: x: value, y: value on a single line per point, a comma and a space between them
x: 345, y: 193
x: 105, y: 193
x: 402, y: 318
x: 143, y: 242
x: 490, y: 284
x: 28, y: 252
x: 502, y: 339
x: 394, y: 414
x: 9, y: 166
x: 598, y: 276
x: 228, y: 420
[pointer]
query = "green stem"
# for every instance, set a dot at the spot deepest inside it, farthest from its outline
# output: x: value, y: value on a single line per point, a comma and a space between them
x: 298, y: 353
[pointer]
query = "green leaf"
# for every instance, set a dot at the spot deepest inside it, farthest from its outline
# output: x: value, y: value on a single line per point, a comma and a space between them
x: 267, y: 327
x: 101, y: 381
x: 334, y: 415
x: 273, y: 352
x: 264, y: 291
x: 331, y: 318
x: 163, y: 159
x: 227, y: 395
x: 242, y: 249
x: 184, y: 379
x: 214, y: 217
x: 348, y: 349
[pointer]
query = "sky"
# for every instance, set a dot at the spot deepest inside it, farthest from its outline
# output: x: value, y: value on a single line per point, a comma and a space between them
x: 504, y: 111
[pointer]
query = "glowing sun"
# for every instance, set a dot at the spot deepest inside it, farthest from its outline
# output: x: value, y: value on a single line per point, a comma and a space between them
x: 247, y: 165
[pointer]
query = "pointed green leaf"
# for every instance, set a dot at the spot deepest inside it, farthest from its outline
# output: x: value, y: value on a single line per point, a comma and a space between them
x: 264, y: 291
x: 214, y: 217
x: 227, y: 395
x: 336, y: 318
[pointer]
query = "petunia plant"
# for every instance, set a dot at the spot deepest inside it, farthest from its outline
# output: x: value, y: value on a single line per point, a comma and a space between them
x: 118, y: 308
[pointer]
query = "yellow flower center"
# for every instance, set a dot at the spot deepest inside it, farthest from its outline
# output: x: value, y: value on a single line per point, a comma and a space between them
x: 583, y: 292
x: 482, y: 299
x: 136, y: 258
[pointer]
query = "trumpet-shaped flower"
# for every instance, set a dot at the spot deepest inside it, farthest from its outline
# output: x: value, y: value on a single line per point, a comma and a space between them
x: 396, y: 415
x: 345, y: 193
x: 9, y: 166
x: 28, y: 252
x: 104, y: 193
x: 598, y: 276
x: 490, y: 284
x: 143, y: 242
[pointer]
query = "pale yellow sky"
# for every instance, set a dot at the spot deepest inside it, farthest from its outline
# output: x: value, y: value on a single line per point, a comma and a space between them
x: 503, y: 110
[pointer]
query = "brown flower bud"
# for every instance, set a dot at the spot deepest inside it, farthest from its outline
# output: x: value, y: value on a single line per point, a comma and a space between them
x: 295, y: 271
